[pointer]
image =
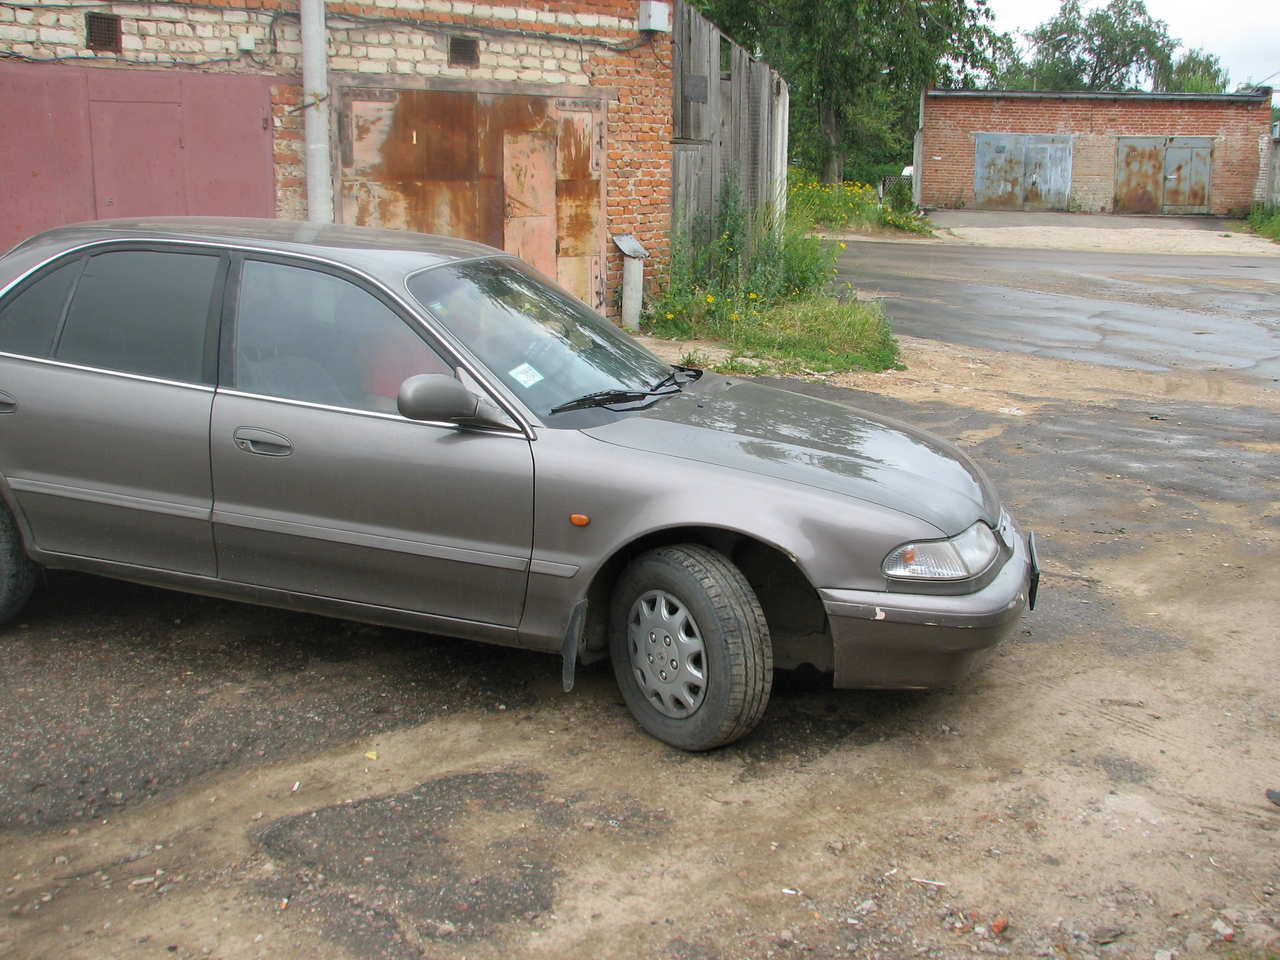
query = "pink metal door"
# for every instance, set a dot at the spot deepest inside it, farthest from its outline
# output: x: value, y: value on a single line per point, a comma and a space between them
x: 78, y: 143
x: 44, y: 150
x: 226, y: 137
x: 137, y: 159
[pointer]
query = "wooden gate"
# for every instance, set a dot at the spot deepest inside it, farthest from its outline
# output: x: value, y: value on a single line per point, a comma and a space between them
x: 1018, y: 171
x: 517, y: 171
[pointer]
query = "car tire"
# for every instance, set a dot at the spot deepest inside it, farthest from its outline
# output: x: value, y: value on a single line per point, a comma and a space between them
x: 690, y: 647
x: 17, y: 570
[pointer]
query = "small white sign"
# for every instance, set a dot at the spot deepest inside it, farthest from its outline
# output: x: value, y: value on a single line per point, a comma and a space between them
x: 525, y: 375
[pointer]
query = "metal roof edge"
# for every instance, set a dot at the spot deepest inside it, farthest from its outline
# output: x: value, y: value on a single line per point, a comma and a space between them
x: 1260, y: 95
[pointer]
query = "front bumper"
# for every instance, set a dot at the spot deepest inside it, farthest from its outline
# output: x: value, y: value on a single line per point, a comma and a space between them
x: 915, y: 641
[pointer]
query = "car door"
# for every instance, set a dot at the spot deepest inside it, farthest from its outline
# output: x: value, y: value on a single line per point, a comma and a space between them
x: 322, y: 488
x: 106, y: 384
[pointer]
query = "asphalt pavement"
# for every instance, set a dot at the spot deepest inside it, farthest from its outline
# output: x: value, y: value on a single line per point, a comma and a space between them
x: 1154, y: 312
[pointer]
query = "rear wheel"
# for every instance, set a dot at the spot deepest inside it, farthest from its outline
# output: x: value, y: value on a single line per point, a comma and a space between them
x: 690, y: 647
x: 17, y: 571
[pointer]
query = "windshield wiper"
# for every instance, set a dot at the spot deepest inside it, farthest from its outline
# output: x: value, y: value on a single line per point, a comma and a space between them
x: 602, y: 398
x: 670, y: 379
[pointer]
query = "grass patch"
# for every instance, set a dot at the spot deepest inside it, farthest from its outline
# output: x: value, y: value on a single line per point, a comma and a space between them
x: 818, y: 334
x: 852, y: 205
x: 1264, y: 220
x: 760, y: 289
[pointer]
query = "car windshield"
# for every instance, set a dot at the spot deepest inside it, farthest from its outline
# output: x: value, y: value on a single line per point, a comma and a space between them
x: 545, y: 345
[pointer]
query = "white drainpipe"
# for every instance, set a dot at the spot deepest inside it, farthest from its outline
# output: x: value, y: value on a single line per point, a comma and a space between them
x: 315, y: 100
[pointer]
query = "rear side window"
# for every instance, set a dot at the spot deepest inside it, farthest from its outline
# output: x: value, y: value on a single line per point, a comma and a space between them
x: 142, y: 311
x: 29, y: 321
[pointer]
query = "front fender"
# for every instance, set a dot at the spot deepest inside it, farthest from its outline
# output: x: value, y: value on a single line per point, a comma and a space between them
x: 631, y: 494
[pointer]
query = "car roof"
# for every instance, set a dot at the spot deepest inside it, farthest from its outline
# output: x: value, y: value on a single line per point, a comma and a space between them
x: 389, y: 255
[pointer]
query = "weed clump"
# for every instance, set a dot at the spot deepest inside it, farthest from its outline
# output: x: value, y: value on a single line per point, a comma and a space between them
x: 761, y: 288
x: 1264, y: 220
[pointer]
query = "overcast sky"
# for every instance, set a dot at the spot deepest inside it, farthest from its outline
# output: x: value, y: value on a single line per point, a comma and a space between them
x: 1245, y: 34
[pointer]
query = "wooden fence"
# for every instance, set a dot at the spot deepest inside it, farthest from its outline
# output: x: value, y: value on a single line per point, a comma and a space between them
x: 730, y: 119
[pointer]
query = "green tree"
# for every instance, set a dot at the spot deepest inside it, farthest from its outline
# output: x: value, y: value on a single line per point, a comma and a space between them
x: 856, y: 67
x: 1196, y: 71
x: 1116, y: 47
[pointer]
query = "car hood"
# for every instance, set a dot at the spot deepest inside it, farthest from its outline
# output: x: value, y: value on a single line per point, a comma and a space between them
x: 793, y: 437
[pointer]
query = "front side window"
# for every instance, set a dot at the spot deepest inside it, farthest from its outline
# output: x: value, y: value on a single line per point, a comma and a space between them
x: 29, y: 319
x: 303, y: 334
x: 142, y: 311
x: 546, y: 346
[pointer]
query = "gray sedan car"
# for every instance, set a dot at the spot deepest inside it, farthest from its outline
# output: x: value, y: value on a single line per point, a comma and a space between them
x: 423, y: 432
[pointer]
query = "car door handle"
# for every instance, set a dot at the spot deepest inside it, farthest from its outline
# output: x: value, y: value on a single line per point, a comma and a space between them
x: 262, y: 442
x: 8, y: 402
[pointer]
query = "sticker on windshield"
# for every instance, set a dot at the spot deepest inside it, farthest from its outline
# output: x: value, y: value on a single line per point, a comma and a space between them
x: 525, y: 375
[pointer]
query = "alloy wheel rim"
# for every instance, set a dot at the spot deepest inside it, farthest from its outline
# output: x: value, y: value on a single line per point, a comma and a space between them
x: 668, y: 658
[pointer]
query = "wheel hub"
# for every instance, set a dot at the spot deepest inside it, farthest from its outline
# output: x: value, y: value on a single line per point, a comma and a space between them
x: 667, y: 653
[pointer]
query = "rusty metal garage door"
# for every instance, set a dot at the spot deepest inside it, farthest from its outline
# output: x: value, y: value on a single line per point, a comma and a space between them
x: 525, y: 173
x: 1188, y: 163
x: 1139, y: 174
x: 81, y: 143
x: 1163, y: 174
x: 1018, y: 171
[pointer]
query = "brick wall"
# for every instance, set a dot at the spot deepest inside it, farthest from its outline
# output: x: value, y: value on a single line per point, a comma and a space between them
x: 1240, y: 132
x: 530, y: 43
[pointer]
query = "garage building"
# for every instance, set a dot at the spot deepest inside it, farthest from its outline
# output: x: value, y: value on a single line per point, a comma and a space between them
x: 543, y: 128
x: 1152, y: 153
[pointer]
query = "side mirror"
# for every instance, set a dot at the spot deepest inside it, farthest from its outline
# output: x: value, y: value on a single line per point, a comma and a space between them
x: 435, y: 396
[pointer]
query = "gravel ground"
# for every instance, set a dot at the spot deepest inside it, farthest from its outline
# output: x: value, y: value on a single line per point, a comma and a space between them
x: 186, y: 777
x: 192, y: 778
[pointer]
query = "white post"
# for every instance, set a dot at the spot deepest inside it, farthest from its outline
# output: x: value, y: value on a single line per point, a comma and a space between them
x: 632, y: 291
x: 315, y: 101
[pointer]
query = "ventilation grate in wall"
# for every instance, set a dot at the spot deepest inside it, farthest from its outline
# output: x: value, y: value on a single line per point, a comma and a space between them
x: 464, y: 51
x: 102, y: 32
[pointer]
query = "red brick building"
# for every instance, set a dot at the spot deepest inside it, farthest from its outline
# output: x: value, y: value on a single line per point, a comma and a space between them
x: 1102, y: 152
x: 541, y: 126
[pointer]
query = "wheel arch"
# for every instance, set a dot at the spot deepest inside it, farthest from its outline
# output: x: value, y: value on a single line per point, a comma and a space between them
x: 10, y: 502
x: 794, y: 611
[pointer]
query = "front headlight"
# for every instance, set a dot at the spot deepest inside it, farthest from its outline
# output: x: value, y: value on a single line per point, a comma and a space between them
x: 964, y: 555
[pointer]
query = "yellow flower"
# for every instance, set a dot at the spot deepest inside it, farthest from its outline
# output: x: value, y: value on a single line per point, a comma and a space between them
x: 671, y: 316
x: 710, y: 298
x: 753, y: 296
x: 843, y: 245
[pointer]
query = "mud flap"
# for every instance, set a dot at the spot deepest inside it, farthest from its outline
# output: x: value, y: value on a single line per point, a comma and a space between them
x: 1035, y: 570
x: 569, y: 649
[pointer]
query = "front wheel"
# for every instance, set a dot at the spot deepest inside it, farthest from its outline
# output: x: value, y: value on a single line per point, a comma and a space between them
x: 690, y: 647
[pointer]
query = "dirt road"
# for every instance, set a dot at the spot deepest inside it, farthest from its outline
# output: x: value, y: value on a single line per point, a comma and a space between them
x: 189, y: 778
x: 1023, y: 230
